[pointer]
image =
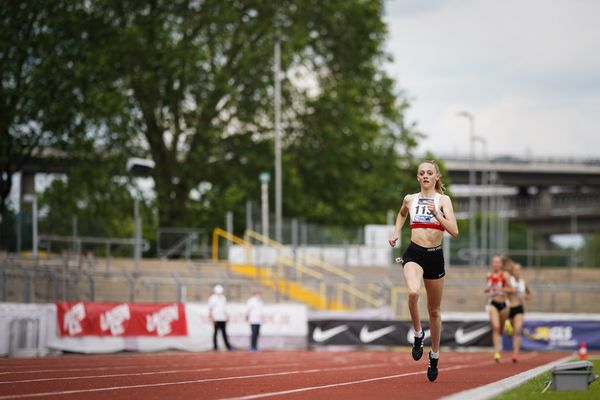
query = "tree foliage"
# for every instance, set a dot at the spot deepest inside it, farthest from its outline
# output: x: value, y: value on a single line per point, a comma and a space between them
x: 27, y: 111
x: 591, y: 256
x: 50, y: 101
x: 190, y: 85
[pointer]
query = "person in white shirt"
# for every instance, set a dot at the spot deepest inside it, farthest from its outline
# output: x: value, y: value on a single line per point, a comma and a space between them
x: 254, y: 315
x: 218, y: 315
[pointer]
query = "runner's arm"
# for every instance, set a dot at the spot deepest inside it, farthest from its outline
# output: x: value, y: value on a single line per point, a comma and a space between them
x: 446, y: 217
x: 400, y: 220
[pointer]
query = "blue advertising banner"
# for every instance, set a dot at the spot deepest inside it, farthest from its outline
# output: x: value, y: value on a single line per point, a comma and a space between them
x: 557, y: 335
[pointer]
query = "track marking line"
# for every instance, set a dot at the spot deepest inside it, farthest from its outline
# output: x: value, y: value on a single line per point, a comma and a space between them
x: 256, y: 396
x: 306, y: 389
x: 139, y: 366
x: 175, y: 371
x: 105, y: 389
x: 494, y: 389
x: 108, y: 361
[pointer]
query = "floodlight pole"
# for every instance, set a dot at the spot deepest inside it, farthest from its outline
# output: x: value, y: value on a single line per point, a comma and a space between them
x: 484, y: 200
x: 138, y: 167
x: 137, y: 221
x: 32, y: 198
x: 264, y: 178
x: 277, y: 104
x: 472, y: 204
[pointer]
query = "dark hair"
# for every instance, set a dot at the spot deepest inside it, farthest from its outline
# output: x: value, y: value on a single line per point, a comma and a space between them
x: 439, y: 185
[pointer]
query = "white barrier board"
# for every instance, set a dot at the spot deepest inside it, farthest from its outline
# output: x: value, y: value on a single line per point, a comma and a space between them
x: 284, y: 326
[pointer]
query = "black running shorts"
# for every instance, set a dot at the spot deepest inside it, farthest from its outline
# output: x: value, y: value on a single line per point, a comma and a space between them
x: 430, y: 259
x: 500, y: 305
x: 515, y: 310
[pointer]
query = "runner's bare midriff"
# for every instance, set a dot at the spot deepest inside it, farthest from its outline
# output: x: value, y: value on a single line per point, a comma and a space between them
x: 499, y: 299
x: 515, y: 301
x: 427, y: 237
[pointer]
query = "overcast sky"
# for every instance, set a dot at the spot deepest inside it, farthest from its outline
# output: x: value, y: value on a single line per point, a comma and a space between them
x: 528, y: 70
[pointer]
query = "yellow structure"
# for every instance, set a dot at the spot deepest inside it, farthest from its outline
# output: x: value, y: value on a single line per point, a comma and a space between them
x: 295, y: 278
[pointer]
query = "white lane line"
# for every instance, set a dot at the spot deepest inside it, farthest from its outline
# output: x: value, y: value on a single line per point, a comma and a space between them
x: 175, y: 371
x: 146, y: 385
x: 118, y: 360
x: 494, y: 389
x: 68, y: 370
x: 399, y: 359
x: 174, y: 360
x: 139, y: 366
x: 333, y: 385
x: 104, y: 376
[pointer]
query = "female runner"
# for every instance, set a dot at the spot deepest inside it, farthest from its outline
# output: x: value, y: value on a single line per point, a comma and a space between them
x: 520, y: 292
x: 431, y: 213
x: 497, y: 285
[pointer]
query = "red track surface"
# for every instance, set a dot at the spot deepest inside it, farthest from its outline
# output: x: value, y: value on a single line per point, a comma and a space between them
x: 241, y: 374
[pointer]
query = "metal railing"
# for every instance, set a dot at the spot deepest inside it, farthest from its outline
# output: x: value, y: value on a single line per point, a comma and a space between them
x: 47, y: 241
x: 34, y: 283
x: 187, y: 242
x: 60, y: 279
x: 302, y: 258
x: 336, y: 286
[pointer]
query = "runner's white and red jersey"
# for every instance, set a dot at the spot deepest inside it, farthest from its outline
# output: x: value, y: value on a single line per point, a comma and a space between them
x: 496, y: 283
x: 420, y: 217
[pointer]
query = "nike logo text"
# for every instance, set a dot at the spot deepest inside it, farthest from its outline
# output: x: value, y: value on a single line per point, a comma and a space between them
x: 463, y: 337
x: 367, y: 337
x: 323, y: 335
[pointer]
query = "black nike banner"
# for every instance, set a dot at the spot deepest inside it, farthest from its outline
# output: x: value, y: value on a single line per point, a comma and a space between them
x: 395, y: 333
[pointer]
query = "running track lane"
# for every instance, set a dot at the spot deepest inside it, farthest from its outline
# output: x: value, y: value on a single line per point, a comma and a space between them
x: 245, y: 375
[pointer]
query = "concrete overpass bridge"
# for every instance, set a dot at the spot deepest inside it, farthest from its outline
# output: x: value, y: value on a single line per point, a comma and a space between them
x: 517, y: 172
x: 551, y: 196
x: 567, y: 212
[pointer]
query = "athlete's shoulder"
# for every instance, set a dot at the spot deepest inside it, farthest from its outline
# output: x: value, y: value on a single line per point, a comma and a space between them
x: 445, y: 197
x: 409, y: 197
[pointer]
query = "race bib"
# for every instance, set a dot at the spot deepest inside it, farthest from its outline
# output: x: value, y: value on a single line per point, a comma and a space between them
x: 422, y: 213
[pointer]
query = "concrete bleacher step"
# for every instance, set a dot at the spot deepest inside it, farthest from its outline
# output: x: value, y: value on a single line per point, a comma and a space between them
x: 463, y: 292
x: 463, y: 289
x: 198, y: 279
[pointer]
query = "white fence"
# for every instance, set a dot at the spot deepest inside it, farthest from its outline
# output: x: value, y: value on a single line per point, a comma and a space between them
x: 30, y: 330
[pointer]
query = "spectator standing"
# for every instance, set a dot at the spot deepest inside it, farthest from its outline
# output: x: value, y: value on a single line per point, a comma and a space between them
x: 217, y: 312
x: 254, y: 316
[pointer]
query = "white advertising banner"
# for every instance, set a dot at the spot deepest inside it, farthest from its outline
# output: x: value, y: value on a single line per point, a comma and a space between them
x: 284, y: 326
x: 351, y: 255
x: 32, y: 330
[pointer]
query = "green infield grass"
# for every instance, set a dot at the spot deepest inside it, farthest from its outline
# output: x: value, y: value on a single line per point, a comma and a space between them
x: 533, y: 389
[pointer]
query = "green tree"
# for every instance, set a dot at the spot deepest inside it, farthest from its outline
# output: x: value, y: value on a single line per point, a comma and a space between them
x: 101, y: 201
x: 25, y: 47
x: 197, y: 81
x: 47, y: 99
x: 591, y: 251
x: 190, y: 84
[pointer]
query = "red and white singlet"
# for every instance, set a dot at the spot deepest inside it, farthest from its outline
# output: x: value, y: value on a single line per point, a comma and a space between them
x: 495, y: 282
x: 420, y: 217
